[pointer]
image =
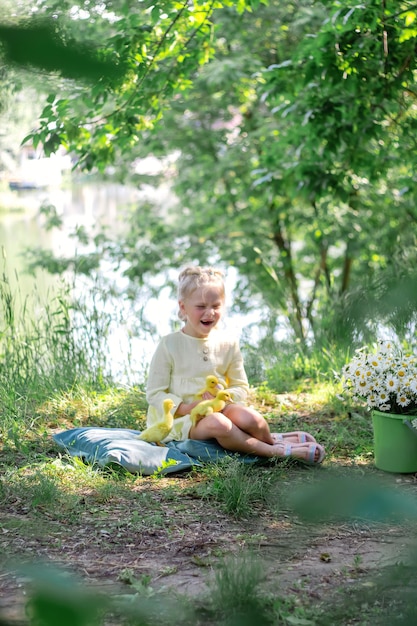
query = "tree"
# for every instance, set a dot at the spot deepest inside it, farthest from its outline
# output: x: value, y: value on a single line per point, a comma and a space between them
x: 353, y: 89
x: 148, y: 55
x: 297, y: 156
x: 295, y: 141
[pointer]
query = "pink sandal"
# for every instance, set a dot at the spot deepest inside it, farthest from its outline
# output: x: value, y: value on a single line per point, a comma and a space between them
x: 302, y: 437
x: 310, y: 460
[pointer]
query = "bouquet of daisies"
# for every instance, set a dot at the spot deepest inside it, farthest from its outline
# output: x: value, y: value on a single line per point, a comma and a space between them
x: 385, y: 378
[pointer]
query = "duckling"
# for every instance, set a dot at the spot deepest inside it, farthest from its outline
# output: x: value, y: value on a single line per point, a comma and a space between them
x: 161, y: 429
x: 212, y: 385
x: 206, y: 407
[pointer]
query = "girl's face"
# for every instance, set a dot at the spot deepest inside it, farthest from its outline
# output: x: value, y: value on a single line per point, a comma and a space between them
x: 203, y: 309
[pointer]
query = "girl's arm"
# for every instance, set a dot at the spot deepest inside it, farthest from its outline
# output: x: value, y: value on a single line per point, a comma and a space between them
x: 159, y: 379
x: 237, y: 380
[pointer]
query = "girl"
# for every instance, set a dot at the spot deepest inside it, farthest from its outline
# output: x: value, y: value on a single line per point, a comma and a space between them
x: 184, y: 359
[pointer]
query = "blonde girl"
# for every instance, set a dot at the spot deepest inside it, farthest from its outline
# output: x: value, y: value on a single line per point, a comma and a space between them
x: 182, y: 361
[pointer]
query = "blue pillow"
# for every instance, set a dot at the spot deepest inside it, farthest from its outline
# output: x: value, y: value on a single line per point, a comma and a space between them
x: 121, y: 446
x: 210, y: 451
x: 105, y: 446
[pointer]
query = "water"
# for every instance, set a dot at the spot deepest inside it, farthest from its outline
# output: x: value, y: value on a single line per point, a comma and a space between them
x: 22, y: 226
x: 91, y: 205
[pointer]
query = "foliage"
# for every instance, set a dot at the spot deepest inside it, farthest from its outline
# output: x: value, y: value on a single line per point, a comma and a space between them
x: 346, y: 97
x: 336, y: 496
x: 311, y: 221
x: 286, y: 364
x: 293, y: 132
x: 151, y: 51
x: 386, y: 379
x: 38, y: 45
x: 261, y: 177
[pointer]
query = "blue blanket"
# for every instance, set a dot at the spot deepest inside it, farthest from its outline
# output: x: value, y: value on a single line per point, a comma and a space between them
x: 121, y: 446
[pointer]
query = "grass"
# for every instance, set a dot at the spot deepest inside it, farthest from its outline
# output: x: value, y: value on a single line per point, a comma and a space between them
x: 236, y: 595
x: 128, y: 549
x: 50, y: 499
x: 236, y: 486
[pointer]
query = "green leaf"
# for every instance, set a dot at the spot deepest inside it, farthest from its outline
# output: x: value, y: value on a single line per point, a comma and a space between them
x: 36, y: 44
x: 28, y: 138
x: 345, y: 499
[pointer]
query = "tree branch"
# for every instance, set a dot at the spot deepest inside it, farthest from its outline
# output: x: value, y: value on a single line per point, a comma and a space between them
x: 284, y: 247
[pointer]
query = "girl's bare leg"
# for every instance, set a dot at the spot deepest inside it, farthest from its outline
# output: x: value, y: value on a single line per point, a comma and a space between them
x: 255, y: 424
x: 231, y: 437
x: 250, y: 421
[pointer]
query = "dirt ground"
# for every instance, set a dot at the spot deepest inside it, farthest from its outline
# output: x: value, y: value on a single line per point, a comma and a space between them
x: 181, y: 550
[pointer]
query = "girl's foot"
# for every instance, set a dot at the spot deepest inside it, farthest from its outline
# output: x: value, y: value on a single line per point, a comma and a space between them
x: 311, y: 453
x: 298, y: 436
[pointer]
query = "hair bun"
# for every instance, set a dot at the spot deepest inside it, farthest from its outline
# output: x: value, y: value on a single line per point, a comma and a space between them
x: 199, y: 271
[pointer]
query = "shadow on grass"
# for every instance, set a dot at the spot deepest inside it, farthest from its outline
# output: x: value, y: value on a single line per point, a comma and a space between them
x: 235, y: 596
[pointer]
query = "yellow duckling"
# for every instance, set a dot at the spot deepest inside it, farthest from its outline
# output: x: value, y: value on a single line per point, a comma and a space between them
x: 206, y: 407
x: 157, y: 432
x: 212, y: 386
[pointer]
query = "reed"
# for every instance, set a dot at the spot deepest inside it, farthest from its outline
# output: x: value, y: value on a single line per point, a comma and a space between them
x: 46, y: 347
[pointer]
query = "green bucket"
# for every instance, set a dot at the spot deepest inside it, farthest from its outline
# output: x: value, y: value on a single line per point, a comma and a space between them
x: 395, y: 445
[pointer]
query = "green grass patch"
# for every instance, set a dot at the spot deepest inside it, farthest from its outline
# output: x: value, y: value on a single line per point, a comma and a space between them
x: 225, y: 522
x: 239, y: 488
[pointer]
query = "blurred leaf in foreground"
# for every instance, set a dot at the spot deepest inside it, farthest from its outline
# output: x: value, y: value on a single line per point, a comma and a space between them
x: 58, y: 598
x: 349, y: 498
x: 37, y: 45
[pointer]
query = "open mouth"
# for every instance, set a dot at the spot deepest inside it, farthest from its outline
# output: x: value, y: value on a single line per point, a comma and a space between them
x: 206, y: 323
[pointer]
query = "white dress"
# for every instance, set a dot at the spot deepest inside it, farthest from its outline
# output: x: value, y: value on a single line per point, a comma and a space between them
x: 179, y: 368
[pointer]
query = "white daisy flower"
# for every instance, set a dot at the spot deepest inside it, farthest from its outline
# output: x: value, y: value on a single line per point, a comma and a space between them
x: 402, y: 400
x: 384, y: 378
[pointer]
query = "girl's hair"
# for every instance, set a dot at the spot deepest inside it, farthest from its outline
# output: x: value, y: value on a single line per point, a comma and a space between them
x: 194, y: 277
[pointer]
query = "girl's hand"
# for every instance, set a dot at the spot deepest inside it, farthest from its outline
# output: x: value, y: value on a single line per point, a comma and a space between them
x: 207, y: 396
x: 184, y: 408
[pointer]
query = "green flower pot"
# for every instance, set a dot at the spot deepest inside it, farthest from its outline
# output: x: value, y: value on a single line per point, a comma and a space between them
x: 395, y: 445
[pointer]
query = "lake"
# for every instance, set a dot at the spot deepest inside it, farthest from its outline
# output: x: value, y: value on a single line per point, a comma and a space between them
x: 91, y: 205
